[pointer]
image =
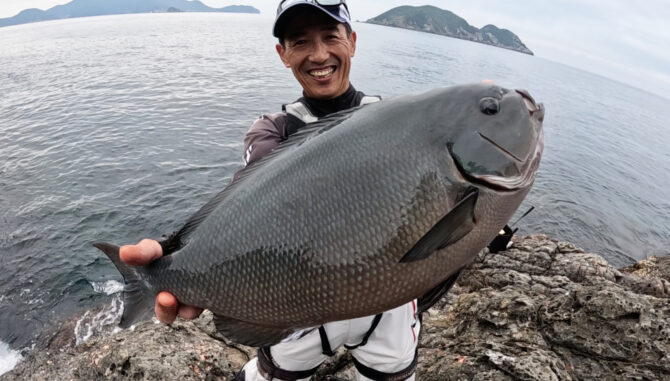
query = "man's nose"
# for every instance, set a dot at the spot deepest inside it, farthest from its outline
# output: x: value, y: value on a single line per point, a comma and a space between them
x: 320, y: 52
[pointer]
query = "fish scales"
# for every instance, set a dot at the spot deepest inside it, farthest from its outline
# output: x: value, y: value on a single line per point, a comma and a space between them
x: 319, y: 230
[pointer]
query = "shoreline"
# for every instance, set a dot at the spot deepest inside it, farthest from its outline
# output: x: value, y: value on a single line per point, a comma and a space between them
x: 543, y: 309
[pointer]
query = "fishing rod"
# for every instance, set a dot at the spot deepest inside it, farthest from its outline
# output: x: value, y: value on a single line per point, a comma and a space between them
x: 502, y: 240
x: 521, y: 218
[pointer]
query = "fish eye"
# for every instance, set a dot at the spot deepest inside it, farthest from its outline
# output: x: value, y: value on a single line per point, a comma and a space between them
x: 489, y: 106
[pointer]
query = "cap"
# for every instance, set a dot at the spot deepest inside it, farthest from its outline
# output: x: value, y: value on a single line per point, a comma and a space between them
x: 338, y: 13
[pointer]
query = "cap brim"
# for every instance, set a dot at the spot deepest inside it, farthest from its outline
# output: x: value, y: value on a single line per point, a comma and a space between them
x: 287, y: 14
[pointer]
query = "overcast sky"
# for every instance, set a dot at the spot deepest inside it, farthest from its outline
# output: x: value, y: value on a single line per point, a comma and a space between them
x: 621, y: 39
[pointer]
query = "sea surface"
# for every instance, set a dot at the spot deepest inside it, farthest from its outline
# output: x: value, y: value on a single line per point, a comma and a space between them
x: 118, y: 128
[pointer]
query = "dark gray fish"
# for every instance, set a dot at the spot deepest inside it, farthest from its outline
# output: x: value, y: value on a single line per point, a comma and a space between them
x: 355, y: 214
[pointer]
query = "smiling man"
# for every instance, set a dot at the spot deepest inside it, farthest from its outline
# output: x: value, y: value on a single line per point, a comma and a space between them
x: 318, y: 52
x: 317, y: 43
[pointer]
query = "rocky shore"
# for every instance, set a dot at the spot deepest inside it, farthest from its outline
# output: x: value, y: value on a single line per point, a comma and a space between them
x: 542, y: 310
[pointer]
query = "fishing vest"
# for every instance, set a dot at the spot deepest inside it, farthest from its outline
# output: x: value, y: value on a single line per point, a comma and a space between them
x: 299, y: 115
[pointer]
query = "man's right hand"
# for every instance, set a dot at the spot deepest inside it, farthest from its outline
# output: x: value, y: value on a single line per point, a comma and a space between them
x: 167, y: 307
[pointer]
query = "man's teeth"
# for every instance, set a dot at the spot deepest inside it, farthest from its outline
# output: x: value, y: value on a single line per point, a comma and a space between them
x: 322, y: 73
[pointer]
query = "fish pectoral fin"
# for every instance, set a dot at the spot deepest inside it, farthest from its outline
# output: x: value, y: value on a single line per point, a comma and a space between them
x: 452, y: 227
x: 251, y: 334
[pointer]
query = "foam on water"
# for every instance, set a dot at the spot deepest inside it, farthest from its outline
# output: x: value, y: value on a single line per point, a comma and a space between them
x: 8, y: 358
x: 104, y: 320
x: 109, y: 287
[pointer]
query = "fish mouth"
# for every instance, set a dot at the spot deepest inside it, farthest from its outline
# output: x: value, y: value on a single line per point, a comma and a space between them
x: 536, y: 110
x: 526, y: 170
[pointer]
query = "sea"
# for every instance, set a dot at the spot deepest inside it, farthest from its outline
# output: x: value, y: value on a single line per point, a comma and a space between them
x: 118, y: 128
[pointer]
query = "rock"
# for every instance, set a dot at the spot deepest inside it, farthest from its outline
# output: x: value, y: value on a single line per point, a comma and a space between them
x: 653, y: 267
x: 650, y: 276
x: 542, y: 310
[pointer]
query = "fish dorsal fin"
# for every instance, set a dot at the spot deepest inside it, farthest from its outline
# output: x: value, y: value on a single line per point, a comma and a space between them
x: 452, y: 227
x: 253, y: 335
x: 284, y: 148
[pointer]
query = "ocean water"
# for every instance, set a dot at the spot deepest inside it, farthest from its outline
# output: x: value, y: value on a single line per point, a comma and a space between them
x: 118, y: 128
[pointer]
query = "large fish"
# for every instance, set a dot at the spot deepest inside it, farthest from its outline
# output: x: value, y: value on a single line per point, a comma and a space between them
x: 355, y: 214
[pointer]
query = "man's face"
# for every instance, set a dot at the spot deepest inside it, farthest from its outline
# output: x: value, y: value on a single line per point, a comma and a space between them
x: 319, y: 52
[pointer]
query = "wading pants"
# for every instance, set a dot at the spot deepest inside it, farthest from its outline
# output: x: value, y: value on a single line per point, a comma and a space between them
x: 389, y: 353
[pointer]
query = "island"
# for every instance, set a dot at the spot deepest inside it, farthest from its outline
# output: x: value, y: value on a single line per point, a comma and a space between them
x: 86, y: 8
x: 434, y: 20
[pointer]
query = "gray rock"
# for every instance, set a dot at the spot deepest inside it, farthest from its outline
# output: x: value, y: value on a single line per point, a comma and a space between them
x: 542, y: 310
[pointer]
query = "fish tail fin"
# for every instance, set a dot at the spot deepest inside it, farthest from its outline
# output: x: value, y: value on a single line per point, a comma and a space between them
x: 138, y: 296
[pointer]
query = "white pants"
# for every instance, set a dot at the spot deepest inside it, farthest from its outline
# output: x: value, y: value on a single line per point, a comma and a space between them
x: 391, y: 347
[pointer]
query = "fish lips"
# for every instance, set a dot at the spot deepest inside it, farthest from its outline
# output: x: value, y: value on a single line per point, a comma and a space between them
x: 505, y: 148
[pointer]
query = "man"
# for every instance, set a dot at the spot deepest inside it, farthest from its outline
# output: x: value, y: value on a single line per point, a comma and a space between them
x: 317, y: 43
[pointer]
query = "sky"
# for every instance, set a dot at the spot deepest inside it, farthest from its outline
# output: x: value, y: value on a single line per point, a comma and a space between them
x: 625, y: 40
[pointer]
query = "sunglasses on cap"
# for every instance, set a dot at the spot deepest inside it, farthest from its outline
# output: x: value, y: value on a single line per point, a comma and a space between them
x: 324, y: 3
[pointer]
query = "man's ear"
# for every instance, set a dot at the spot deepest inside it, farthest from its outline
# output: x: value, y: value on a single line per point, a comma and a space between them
x: 282, y: 54
x: 352, y: 41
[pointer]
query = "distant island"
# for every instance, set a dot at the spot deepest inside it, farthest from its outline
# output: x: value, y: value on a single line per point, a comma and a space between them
x: 439, y: 21
x: 85, y: 8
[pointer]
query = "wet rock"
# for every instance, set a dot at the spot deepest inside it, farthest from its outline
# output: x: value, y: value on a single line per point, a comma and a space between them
x: 151, y: 351
x: 542, y: 310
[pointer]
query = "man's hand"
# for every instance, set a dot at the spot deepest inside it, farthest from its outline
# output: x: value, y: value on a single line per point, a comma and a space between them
x: 167, y: 307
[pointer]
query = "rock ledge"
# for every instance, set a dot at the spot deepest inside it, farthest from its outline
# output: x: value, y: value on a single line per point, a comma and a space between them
x: 542, y: 310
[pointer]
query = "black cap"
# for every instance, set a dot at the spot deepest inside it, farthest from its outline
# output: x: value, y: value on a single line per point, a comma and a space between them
x: 339, y: 13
